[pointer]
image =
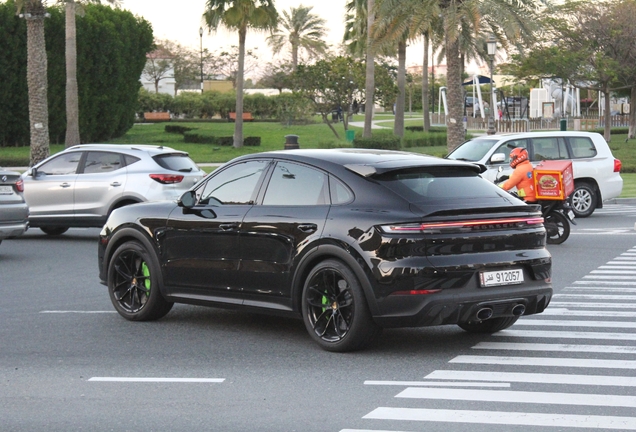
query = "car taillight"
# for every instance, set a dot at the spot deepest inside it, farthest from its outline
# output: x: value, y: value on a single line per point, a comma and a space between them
x: 471, y: 224
x: 416, y: 292
x: 19, y: 185
x: 167, y: 178
x: 617, y: 165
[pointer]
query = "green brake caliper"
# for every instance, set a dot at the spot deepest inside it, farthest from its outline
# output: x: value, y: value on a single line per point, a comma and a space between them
x: 146, y: 272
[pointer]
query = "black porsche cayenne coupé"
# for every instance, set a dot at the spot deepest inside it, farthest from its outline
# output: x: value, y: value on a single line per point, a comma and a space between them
x: 351, y: 241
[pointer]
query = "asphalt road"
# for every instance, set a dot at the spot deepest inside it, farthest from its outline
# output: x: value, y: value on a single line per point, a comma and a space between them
x: 68, y: 362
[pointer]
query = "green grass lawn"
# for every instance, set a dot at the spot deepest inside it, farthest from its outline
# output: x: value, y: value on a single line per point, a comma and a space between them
x: 272, y: 135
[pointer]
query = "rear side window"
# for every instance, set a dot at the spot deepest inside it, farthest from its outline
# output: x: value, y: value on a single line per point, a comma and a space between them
x: 582, y: 147
x: 550, y: 148
x: 101, y: 162
x: 421, y: 186
x: 176, y: 162
x: 296, y: 185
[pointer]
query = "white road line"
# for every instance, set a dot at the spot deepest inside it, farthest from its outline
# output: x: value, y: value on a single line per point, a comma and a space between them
x: 617, y: 265
x: 517, y: 346
x: 433, y: 383
x: 545, y: 361
x: 537, y: 378
x: 565, y: 335
x: 604, y: 282
x: 74, y: 312
x: 367, y: 430
x: 504, y: 418
x: 621, y: 272
x: 162, y: 380
x: 596, y: 296
x: 604, y: 289
x: 621, y: 278
x: 622, y: 259
x: 599, y: 314
x: 578, y: 399
x: 572, y: 323
x: 594, y: 305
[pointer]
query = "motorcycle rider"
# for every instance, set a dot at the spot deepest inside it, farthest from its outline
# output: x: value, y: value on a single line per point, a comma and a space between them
x: 521, y: 177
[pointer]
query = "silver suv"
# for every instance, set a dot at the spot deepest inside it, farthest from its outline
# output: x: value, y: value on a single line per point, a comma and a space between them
x: 81, y: 185
x: 13, y: 210
x: 596, y: 172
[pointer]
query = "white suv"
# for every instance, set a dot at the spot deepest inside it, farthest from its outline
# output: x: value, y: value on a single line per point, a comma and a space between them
x: 80, y: 186
x: 596, y: 171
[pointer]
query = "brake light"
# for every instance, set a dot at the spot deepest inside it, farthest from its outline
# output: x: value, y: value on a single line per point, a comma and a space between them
x: 167, y: 178
x: 416, y: 292
x: 461, y: 224
x: 19, y: 185
x: 617, y: 165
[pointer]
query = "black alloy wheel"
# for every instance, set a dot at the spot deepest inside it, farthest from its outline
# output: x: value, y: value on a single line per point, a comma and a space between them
x: 133, y: 284
x: 557, y: 227
x: 54, y: 231
x: 334, y: 308
x: 492, y: 325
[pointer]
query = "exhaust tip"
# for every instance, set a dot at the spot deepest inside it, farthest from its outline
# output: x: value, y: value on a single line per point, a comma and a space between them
x: 484, y: 313
x: 518, y: 310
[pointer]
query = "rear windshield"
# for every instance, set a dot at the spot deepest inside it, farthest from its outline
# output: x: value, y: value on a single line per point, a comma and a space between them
x: 176, y: 162
x: 424, y: 186
x: 473, y: 150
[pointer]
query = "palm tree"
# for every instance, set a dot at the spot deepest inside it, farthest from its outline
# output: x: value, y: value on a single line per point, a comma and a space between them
x: 240, y: 15
x: 35, y: 13
x: 73, y: 7
x: 301, y: 30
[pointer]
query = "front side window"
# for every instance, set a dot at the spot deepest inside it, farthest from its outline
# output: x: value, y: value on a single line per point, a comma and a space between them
x: 64, y: 164
x: 296, y: 185
x: 582, y: 147
x: 507, y: 147
x: 234, y: 185
x: 101, y: 162
x: 473, y: 150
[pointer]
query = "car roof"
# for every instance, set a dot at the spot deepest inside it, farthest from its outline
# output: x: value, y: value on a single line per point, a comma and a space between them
x: 538, y: 134
x: 365, y: 162
x: 152, y: 149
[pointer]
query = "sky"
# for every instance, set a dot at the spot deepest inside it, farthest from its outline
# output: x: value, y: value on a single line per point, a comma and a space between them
x: 179, y: 21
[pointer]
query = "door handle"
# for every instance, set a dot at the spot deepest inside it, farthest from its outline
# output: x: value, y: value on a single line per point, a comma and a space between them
x: 65, y: 185
x: 228, y: 226
x: 308, y: 228
x: 115, y: 184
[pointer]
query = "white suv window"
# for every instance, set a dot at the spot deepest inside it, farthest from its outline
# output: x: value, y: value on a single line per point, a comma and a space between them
x: 582, y: 147
x: 549, y: 148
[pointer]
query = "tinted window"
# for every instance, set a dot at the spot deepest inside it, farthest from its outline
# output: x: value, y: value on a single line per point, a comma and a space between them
x: 340, y: 194
x: 582, y: 147
x: 296, y: 185
x: 64, y: 164
x: 473, y: 150
x: 100, y: 162
x: 176, y: 162
x: 234, y: 185
x: 130, y: 159
x: 550, y: 148
x: 440, y: 184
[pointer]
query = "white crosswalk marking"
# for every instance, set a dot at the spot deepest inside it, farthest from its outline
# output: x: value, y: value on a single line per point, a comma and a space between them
x: 607, y: 296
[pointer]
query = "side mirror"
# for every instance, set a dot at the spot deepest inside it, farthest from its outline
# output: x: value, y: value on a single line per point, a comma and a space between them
x: 34, y: 172
x: 187, y: 200
x: 498, y: 158
x: 500, y: 169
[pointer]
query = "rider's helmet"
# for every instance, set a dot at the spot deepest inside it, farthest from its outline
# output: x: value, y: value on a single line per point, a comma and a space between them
x: 518, y: 155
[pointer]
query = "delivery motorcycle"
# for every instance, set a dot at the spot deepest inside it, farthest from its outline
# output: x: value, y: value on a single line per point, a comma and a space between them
x: 557, y: 215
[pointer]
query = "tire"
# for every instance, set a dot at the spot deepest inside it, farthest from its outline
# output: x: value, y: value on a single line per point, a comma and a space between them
x: 557, y: 227
x: 335, y: 309
x: 492, y: 325
x: 133, y: 284
x: 583, y: 200
x: 54, y: 231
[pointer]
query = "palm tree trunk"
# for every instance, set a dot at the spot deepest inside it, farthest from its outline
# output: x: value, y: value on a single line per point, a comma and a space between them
x: 607, y: 133
x: 425, y: 109
x: 238, y: 125
x: 370, y: 74
x: 72, y: 110
x: 454, y: 123
x: 632, y: 115
x: 398, y: 124
x: 37, y: 83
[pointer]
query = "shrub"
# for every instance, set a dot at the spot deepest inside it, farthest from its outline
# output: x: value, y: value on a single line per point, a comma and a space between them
x: 177, y: 129
x: 380, y: 142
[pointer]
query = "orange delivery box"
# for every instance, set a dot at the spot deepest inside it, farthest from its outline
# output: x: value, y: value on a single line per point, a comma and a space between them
x: 553, y: 179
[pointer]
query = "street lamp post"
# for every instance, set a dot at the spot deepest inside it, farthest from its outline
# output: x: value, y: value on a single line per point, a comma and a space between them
x: 201, y: 52
x: 492, y: 49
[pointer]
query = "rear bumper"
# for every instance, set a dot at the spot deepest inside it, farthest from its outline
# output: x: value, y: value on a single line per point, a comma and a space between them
x: 460, y: 306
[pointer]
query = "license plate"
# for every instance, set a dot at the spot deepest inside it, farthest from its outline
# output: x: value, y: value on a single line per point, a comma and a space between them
x: 571, y: 214
x: 6, y: 190
x: 501, y: 277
